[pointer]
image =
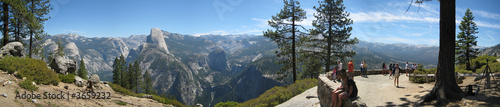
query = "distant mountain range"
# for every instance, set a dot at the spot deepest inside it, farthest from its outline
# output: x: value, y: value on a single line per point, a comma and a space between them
x: 491, y: 51
x: 213, y: 68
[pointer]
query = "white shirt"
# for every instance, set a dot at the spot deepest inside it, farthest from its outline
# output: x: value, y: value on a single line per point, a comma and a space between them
x: 340, y: 66
x: 407, y: 66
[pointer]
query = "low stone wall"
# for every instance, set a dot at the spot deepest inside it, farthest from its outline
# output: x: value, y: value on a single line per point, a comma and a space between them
x: 325, y: 88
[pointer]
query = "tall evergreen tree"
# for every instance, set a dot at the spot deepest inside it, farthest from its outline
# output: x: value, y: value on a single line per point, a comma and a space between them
x: 18, y: 22
x: 147, y: 85
x: 38, y: 9
x: 5, y: 20
x: 464, y: 47
x: 117, y: 71
x: 136, y: 76
x: 284, y: 34
x: 445, y: 88
x: 123, y: 70
x: 129, y: 77
x: 82, y: 71
x: 331, y: 33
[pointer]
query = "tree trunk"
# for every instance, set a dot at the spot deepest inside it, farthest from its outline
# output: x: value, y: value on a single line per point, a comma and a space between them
x: 446, y: 88
x: 31, y: 28
x: 467, y: 56
x: 5, y: 8
x: 294, y: 69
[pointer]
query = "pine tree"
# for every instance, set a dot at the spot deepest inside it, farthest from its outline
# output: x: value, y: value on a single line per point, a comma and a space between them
x: 60, y: 48
x: 285, y: 35
x: 137, y: 76
x: 445, y: 88
x: 148, y: 83
x: 82, y: 71
x: 331, y: 33
x: 123, y: 70
x: 117, y: 71
x: 129, y: 77
x: 38, y: 9
x: 18, y: 22
x: 464, y: 47
x: 5, y: 20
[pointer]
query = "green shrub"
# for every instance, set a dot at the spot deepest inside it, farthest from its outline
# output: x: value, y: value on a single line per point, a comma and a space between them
x: 227, y: 104
x: 12, y: 64
x: 463, y: 71
x: 33, y: 69
x: 27, y: 84
x: 279, y: 94
x: 70, y: 78
x: 494, y: 67
x: 422, y: 79
x: 121, y: 103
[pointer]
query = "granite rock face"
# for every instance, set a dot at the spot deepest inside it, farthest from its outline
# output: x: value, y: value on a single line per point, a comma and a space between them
x: 15, y: 49
x: 158, y: 39
x: 217, y: 60
x: 63, y: 65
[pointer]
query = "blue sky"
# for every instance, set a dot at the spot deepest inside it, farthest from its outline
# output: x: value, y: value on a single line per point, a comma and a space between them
x: 376, y: 21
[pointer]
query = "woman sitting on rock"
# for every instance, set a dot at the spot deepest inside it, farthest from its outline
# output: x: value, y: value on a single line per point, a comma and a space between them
x: 342, y: 92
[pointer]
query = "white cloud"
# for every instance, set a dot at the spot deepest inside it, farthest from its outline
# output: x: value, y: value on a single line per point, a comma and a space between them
x: 388, y: 17
x: 74, y: 31
x: 261, y: 22
x: 490, y: 37
x: 490, y: 25
x: 486, y: 14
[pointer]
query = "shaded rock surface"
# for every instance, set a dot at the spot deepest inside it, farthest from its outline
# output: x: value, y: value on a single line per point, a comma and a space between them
x: 12, y: 49
x: 218, y: 60
x: 94, y: 78
x: 63, y: 65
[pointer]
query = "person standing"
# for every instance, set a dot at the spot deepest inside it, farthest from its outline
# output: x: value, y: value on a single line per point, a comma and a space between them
x: 384, y: 68
x: 350, y: 68
x: 407, y: 68
x: 365, y: 67
x: 396, y: 75
x: 339, y: 64
x: 361, y: 68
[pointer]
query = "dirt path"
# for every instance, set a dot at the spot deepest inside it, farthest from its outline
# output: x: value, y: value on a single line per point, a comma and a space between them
x: 376, y: 90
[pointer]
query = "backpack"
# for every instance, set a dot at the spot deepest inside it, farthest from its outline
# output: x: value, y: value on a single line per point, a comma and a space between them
x: 354, y: 93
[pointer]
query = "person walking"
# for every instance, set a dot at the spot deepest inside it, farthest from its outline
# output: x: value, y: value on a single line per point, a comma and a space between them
x: 350, y: 68
x: 396, y: 75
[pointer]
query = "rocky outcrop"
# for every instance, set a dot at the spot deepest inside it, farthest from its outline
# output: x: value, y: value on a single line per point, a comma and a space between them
x: 79, y: 81
x: 12, y: 49
x: 63, y: 65
x: 217, y: 60
x: 94, y: 78
x: 157, y: 38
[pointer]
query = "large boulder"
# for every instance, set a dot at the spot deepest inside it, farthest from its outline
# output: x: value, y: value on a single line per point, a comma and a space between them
x: 12, y: 49
x: 94, y: 78
x: 62, y: 65
x: 79, y: 81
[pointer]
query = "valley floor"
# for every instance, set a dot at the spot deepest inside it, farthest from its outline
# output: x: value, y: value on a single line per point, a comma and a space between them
x: 378, y: 90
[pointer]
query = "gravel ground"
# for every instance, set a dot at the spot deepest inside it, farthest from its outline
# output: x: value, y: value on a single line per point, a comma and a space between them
x: 376, y: 90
